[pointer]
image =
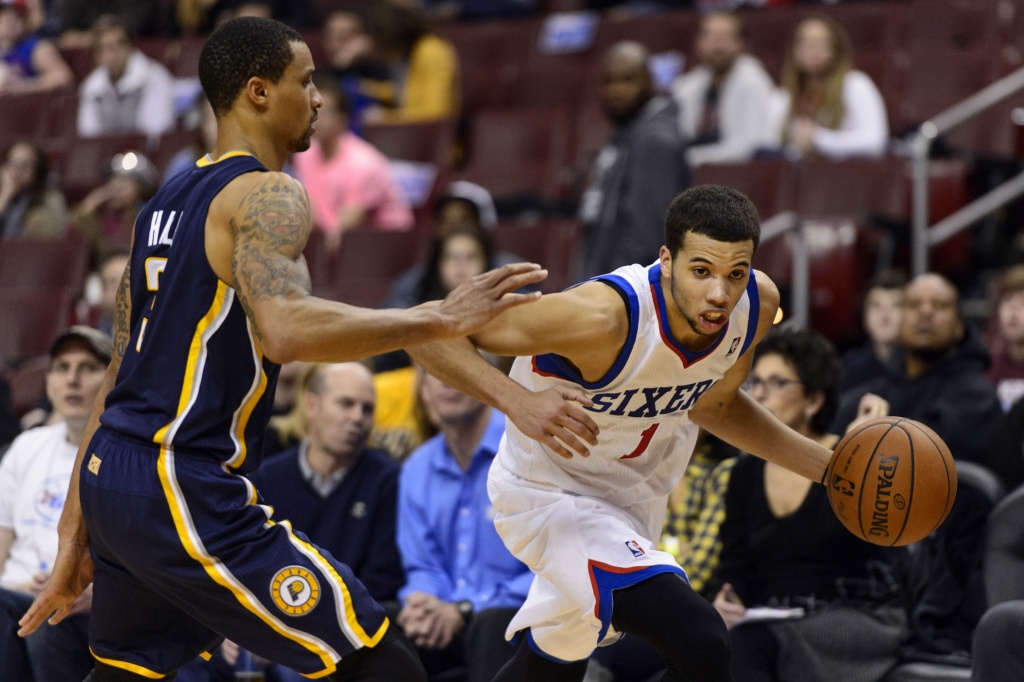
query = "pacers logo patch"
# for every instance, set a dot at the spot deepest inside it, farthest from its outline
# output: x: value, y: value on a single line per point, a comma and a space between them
x: 295, y: 590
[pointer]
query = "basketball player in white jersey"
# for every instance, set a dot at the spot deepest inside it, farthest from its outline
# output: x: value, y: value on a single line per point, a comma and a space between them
x: 659, y: 350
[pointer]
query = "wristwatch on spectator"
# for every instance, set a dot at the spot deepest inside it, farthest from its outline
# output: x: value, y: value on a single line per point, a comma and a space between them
x: 465, y: 608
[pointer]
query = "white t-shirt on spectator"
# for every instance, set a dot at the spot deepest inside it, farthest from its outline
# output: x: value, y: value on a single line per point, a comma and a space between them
x: 34, y: 478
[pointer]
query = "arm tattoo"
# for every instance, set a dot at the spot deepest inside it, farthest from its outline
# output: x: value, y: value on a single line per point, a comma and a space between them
x: 271, y: 229
x: 122, y: 312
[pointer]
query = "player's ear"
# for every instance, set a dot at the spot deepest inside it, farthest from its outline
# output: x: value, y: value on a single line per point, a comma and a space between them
x: 665, y: 257
x: 256, y: 91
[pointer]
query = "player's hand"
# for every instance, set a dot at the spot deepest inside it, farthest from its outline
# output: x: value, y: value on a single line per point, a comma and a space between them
x: 729, y: 606
x: 480, y: 299
x: 72, y: 573
x: 870, y: 407
x: 555, y: 419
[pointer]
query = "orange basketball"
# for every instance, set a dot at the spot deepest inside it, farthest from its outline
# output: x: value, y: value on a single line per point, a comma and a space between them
x: 891, y: 481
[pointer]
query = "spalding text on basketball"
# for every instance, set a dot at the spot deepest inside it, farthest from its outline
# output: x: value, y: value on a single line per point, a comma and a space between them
x: 880, y: 514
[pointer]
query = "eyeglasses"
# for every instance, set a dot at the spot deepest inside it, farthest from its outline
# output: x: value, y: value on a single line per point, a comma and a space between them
x: 770, y: 385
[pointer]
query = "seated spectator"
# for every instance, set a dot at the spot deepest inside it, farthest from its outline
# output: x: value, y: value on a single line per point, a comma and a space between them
x: 202, y: 144
x: 28, y: 63
x: 29, y: 207
x: 289, y: 427
x: 34, y: 478
x: 639, y: 171
x: 937, y: 376
x: 463, y: 584
x: 723, y: 101
x: 127, y: 92
x: 110, y: 271
x: 106, y: 216
x: 349, y: 59
x: 1007, y: 370
x: 783, y: 546
x: 825, y: 107
x: 881, y: 320
x: 348, y: 180
x: 335, y: 490
x: 424, y: 81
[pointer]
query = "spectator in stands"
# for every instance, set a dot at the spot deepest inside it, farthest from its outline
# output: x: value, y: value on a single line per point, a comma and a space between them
x: 110, y: 270
x: 289, y: 426
x: 826, y: 107
x: 424, y: 79
x: 881, y: 320
x: 106, y: 216
x: 348, y: 180
x: 197, y: 16
x: 349, y: 59
x: 842, y: 582
x: 335, y: 490
x: 78, y: 17
x: 463, y: 584
x: 205, y: 137
x: 639, y: 171
x: 34, y: 478
x: 1007, y: 370
x: 28, y: 63
x: 127, y: 92
x: 937, y: 376
x: 723, y: 101
x: 29, y: 206
x: 478, y: 9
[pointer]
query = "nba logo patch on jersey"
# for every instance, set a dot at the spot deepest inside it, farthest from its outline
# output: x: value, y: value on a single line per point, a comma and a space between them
x: 635, y: 548
x: 733, y: 346
x: 295, y: 590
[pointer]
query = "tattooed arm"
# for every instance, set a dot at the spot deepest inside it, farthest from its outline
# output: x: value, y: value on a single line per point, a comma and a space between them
x: 256, y: 231
x: 72, y: 570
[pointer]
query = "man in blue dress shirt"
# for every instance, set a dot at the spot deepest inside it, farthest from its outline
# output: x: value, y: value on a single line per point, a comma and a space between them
x: 463, y: 586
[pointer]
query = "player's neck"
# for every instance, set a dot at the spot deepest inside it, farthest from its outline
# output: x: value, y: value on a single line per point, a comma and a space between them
x: 232, y: 137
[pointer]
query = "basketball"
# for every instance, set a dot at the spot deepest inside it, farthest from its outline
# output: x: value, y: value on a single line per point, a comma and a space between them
x: 891, y: 481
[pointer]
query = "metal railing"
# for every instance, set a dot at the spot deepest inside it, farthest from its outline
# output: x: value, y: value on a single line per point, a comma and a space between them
x: 924, y: 235
x: 800, y: 286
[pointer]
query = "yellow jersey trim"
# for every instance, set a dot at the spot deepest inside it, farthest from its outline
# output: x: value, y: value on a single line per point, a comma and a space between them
x: 206, y: 160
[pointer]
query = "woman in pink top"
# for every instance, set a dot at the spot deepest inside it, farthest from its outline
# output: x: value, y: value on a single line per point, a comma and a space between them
x: 348, y: 180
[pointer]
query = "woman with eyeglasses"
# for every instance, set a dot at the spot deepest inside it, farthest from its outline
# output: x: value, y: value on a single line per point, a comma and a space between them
x: 783, y: 547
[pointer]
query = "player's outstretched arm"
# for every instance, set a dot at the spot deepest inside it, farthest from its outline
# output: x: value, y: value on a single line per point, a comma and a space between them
x: 256, y: 231
x: 72, y: 570
x: 735, y: 417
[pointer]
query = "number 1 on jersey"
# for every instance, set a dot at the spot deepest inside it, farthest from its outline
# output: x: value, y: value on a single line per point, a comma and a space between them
x: 645, y: 439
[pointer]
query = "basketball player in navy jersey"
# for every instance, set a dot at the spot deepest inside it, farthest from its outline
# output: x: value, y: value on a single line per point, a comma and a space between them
x: 659, y: 349
x: 179, y: 548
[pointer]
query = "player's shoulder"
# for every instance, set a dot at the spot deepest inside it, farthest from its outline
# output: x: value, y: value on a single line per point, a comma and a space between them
x: 767, y: 292
x: 266, y: 181
x: 596, y: 305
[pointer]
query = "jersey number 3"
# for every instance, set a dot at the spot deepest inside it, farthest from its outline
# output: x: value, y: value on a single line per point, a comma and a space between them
x: 645, y: 440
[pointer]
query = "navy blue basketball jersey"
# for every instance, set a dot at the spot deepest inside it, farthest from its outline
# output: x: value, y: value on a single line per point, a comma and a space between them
x: 193, y: 376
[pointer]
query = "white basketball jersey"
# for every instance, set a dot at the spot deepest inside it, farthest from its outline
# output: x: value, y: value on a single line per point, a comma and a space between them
x: 641, y: 405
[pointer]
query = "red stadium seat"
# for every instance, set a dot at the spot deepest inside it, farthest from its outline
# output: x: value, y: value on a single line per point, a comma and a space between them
x: 549, y: 81
x: 939, y: 77
x: 424, y: 142
x: 953, y: 24
x: 87, y: 162
x: 770, y: 183
x: 854, y: 187
x: 42, y: 264
x: 28, y: 383
x: 660, y: 31
x: 31, y: 320
x: 362, y: 270
x: 551, y: 243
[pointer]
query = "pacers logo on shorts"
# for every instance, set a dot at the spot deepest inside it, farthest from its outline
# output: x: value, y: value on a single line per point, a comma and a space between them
x: 295, y: 590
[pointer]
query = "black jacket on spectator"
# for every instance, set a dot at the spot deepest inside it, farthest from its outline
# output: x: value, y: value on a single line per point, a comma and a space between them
x: 355, y: 523
x: 954, y: 398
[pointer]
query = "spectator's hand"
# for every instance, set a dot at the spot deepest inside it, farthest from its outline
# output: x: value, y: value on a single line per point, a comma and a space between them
x: 352, y: 51
x: 38, y: 583
x: 414, y: 616
x: 72, y: 573
x: 729, y: 606
x: 480, y: 299
x: 83, y: 604
x: 802, y: 135
x: 229, y: 652
x: 871, y: 406
x: 551, y: 417
x: 445, y: 624
x: 8, y: 185
x: 97, y: 198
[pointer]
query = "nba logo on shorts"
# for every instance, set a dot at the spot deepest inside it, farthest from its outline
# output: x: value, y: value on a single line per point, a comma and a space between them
x: 733, y: 346
x: 635, y: 547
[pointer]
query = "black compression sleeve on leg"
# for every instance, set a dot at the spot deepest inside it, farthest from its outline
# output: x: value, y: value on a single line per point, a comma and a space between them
x: 687, y: 631
x: 394, y: 658
x: 529, y: 666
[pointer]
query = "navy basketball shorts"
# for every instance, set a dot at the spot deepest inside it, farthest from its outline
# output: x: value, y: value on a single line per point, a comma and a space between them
x: 186, y: 554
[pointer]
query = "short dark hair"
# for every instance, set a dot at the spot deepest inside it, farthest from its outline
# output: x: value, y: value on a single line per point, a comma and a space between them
x: 721, y: 213
x: 240, y: 49
x: 816, y: 363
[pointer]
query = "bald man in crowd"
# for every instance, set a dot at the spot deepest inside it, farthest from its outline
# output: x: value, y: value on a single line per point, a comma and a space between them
x: 637, y: 173
x: 334, y: 489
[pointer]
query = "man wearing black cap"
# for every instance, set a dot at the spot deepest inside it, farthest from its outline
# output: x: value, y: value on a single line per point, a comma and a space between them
x: 34, y: 477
